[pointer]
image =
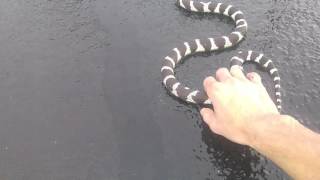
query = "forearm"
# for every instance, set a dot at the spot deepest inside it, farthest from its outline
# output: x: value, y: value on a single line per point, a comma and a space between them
x: 289, y: 144
x: 284, y: 140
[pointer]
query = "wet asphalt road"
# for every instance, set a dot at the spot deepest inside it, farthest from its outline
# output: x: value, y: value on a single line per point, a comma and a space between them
x: 81, y: 95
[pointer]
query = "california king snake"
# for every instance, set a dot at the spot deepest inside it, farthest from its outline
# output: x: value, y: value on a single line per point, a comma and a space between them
x: 212, y: 44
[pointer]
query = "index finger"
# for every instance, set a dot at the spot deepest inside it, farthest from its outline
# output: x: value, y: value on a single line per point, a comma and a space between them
x: 211, y: 86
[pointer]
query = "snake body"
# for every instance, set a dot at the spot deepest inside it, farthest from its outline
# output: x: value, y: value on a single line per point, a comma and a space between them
x: 213, y: 44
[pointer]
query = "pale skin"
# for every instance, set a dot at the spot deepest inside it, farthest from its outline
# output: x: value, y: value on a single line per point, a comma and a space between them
x: 245, y: 114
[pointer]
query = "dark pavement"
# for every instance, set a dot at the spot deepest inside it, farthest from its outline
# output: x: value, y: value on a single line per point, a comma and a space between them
x: 81, y: 95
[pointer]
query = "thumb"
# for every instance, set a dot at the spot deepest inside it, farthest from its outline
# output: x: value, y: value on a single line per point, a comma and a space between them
x: 209, y: 118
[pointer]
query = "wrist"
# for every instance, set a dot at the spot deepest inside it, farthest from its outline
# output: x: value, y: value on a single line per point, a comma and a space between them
x: 265, y: 129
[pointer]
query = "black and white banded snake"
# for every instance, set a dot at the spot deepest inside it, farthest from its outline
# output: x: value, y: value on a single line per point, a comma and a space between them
x: 213, y: 44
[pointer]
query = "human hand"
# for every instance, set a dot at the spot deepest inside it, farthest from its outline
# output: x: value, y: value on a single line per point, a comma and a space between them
x: 238, y: 102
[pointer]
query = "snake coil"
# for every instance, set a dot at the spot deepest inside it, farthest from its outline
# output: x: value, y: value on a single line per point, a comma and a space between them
x: 213, y: 44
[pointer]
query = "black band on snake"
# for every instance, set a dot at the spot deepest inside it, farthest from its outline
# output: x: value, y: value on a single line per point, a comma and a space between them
x: 212, y: 44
